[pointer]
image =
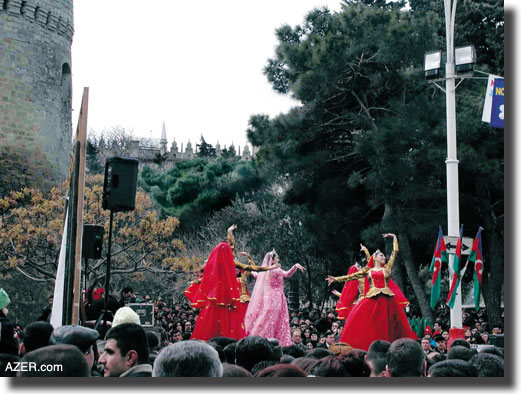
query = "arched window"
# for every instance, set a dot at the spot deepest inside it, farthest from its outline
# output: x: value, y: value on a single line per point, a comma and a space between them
x: 66, y: 83
x: 48, y: 19
x: 5, y: 6
x: 23, y: 8
x: 36, y: 13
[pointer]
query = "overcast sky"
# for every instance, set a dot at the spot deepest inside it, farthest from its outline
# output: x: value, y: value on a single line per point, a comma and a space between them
x: 196, y: 65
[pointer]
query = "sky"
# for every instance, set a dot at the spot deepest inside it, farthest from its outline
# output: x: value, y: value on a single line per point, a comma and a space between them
x: 195, y: 65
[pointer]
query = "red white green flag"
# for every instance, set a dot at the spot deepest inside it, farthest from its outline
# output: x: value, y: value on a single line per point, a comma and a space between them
x: 456, y: 276
x: 476, y: 257
x: 440, y: 256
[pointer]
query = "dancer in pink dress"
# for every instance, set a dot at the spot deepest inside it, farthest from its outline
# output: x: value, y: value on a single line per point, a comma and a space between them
x: 267, y: 314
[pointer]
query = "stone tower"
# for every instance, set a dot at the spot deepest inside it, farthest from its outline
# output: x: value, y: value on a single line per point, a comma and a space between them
x: 35, y: 81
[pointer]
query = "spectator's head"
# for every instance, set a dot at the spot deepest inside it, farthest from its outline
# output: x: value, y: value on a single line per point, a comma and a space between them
x: 488, y: 365
x: 276, y: 349
x: 81, y: 337
x: 36, y: 335
x: 405, y: 357
x: 426, y: 344
x: 125, y: 347
x: 330, y: 337
x: 4, y: 301
x: 377, y: 357
x: 127, y: 293
x: 461, y: 353
x: 459, y: 342
x: 177, y: 336
x: 188, y: 358
x: 8, y: 359
x: 354, y: 364
x: 484, y: 336
x: 286, y: 359
x: 319, y: 353
x: 125, y: 315
x: 329, y: 366
x: 441, y: 343
x: 452, y: 368
x: 492, y: 350
x: 152, y: 340
x: 445, y: 335
x: 294, y: 351
x: 219, y: 350
x: 281, y: 370
x: 250, y: 350
x: 234, y: 371
x: 262, y: 365
x: 67, y: 360
x: 229, y: 353
x: 296, y: 336
x: 222, y: 341
x: 304, y: 363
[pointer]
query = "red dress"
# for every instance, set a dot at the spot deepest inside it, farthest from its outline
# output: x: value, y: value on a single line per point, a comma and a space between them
x: 379, y: 315
x: 191, y: 290
x: 218, y: 295
x: 352, y: 293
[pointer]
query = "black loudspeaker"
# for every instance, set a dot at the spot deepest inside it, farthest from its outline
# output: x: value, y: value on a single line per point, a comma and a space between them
x: 92, y: 243
x: 120, y: 184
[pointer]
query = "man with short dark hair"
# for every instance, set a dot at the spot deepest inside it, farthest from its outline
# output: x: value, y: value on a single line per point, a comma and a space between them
x: 177, y: 336
x: 59, y: 361
x: 488, y: 365
x: 330, y: 339
x: 127, y: 296
x: 452, y: 368
x: 36, y: 335
x: 126, y: 352
x: 376, y: 358
x: 251, y: 350
x: 405, y: 357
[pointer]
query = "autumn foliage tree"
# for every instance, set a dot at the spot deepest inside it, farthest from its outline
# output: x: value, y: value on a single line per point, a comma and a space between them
x: 31, y: 226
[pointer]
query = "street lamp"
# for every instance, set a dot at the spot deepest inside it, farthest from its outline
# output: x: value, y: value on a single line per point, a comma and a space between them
x: 462, y: 60
x: 432, y: 64
x: 465, y: 58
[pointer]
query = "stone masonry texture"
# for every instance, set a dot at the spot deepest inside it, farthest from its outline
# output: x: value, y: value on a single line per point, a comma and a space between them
x: 35, y: 80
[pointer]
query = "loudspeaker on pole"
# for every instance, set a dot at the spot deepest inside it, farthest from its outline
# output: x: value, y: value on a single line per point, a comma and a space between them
x: 120, y: 184
x: 92, y: 244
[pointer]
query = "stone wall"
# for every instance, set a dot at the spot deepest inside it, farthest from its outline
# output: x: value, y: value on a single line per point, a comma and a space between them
x: 35, y: 80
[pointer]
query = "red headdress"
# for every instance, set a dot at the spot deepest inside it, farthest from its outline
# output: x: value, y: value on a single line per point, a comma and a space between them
x: 219, y: 283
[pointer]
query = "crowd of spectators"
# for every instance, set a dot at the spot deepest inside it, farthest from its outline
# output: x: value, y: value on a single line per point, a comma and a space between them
x: 166, y: 350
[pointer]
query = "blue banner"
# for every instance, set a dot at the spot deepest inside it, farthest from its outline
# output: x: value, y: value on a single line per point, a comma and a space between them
x: 497, y: 117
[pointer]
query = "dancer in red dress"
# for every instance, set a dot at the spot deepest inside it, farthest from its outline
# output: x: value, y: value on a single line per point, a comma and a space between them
x: 218, y: 295
x: 352, y: 293
x: 379, y: 315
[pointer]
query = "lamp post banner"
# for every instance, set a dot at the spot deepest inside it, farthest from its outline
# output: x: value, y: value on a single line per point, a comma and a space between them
x: 497, y: 116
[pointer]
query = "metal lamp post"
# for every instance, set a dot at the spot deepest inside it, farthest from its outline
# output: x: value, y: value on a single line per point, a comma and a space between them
x: 458, y: 59
x: 452, y: 160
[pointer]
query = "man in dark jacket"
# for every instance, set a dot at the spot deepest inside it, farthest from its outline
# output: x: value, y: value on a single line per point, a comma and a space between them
x: 126, y: 352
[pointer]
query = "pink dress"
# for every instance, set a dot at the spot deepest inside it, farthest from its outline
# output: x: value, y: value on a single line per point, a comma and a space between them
x: 267, y: 314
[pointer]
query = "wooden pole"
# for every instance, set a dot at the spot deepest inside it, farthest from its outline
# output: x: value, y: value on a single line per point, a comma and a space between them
x: 81, y: 137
